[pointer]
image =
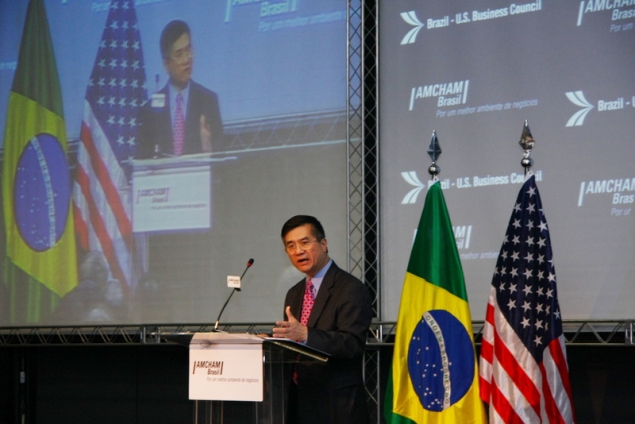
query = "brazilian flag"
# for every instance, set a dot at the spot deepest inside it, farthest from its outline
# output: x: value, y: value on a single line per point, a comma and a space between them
x: 36, y: 183
x: 434, y: 376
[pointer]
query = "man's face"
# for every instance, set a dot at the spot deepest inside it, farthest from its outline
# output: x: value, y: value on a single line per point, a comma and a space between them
x: 306, y: 253
x: 179, y: 61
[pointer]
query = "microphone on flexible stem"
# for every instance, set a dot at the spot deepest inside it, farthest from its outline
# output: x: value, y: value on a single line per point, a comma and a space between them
x: 156, y: 152
x: 249, y: 264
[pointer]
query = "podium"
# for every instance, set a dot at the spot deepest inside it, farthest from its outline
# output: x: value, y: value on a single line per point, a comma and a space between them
x: 172, y: 193
x: 244, y: 368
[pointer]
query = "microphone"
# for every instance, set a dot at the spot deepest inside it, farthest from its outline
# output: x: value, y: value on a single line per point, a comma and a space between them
x: 250, y: 262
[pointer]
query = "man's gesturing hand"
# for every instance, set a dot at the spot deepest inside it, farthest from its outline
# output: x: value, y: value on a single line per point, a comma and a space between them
x: 206, y: 135
x: 291, y: 329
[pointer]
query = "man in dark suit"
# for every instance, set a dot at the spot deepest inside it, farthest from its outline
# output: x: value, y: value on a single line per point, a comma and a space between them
x: 330, y: 310
x: 183, y: 117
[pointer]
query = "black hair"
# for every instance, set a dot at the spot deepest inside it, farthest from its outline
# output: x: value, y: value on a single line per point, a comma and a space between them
x: 172, y: 31
x: 300, y: 220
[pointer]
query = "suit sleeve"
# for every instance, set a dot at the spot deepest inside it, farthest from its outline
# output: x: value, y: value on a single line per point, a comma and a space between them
x: 342, y: 329
x: 215, y: 123
x: 203, y: 102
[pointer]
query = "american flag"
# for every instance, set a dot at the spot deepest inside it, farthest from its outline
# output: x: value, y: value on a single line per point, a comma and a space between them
x: 524, y: 375
x: 101, y: 194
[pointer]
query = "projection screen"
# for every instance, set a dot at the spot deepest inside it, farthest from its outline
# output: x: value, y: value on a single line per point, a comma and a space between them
x: 157, y: 235
x: 474, y: 71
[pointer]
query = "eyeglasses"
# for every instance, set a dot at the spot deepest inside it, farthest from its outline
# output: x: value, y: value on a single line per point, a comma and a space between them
x: 303, y: 244
x: 184, y: 53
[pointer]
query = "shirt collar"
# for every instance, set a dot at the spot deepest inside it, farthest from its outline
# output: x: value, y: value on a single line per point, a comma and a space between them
x: 319, y: 276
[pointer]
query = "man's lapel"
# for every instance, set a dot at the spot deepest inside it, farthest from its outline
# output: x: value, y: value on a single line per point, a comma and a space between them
x: 323, y: 295
x: 297, y: 301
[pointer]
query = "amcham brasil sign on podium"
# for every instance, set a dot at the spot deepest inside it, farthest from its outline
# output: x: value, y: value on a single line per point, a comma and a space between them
x: 242, y: 367
x: 172, y: 194
x: 225, y: 366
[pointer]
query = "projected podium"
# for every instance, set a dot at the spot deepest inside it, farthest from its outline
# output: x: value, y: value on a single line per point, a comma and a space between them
x: 172, y: 194
x: 241, y: 367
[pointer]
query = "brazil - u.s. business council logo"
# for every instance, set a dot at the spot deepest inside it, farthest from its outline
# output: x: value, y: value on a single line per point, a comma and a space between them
x: 455, y: 93
x: 411, y: 19
x: 446, y: 93
x: 603, y: 105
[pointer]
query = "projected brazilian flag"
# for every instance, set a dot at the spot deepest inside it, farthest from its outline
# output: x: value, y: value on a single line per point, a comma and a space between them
x: 35, y: 179
x: 434, y: 378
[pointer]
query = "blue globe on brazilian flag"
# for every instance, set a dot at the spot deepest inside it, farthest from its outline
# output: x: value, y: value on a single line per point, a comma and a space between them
x: 434, y: 378
x: 41, y: 192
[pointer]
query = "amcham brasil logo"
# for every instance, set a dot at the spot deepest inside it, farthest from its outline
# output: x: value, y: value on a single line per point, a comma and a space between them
x: 619, y: 9
x: 446, y: 94
x: 210, y: 367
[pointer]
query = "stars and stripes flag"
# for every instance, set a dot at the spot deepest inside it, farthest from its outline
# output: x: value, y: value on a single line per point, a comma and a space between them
x: 524, y: 375
x: 101, y: 193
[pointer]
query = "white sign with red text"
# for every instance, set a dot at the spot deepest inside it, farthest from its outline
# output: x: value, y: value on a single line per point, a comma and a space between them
x: 226, y: 367
x: 171, y: 198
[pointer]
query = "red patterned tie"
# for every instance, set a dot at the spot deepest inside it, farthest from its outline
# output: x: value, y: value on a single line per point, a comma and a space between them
x: 179, y: 126
x: 307, y: 304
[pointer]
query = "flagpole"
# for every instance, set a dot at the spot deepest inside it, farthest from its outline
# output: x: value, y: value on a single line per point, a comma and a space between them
x: 434, y: 376
x: 527, y: 143
x: 524, y: 375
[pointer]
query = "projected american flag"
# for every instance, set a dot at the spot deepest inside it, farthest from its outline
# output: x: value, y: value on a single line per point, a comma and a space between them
x: 101, y: 193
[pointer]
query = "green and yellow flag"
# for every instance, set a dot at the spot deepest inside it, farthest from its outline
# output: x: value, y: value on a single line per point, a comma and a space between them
x: 434, y: 376
x: 36, y: 181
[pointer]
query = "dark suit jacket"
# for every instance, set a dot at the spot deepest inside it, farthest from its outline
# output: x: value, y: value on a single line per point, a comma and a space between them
x: 338, y: 325
x: 155, y: 131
